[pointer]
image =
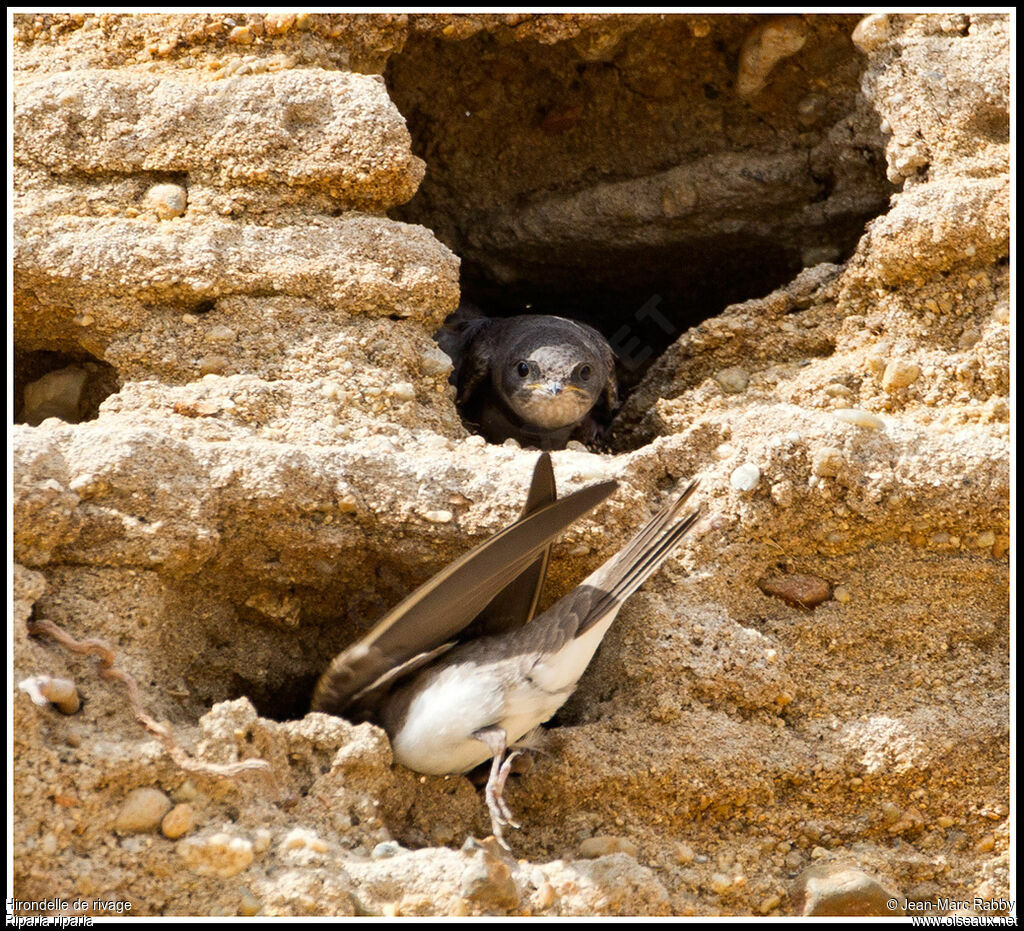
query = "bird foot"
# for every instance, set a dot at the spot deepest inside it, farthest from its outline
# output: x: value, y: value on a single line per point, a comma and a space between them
x: 501, y: 814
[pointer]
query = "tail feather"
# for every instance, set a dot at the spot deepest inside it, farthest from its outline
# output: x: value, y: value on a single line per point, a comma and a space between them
x: 625, y: 572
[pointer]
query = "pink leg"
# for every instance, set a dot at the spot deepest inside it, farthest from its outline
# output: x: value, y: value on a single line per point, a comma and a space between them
x: 494, y: 738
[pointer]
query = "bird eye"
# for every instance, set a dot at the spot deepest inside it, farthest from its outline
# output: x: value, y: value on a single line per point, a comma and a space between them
x: 523, y: 369
x: 585, y: 372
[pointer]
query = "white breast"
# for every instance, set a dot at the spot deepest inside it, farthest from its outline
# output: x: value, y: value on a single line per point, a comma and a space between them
x: 453, y: 700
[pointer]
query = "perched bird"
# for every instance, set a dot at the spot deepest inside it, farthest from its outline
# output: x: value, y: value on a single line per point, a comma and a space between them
x: 449, y: 701
x: 538, y: 379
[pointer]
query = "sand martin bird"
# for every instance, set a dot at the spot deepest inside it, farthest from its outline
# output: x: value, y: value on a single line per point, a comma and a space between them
x: 538, y: 379
x: 461, y: 670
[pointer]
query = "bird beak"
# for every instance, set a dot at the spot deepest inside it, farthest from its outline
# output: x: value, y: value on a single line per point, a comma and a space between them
x: 554, y: 387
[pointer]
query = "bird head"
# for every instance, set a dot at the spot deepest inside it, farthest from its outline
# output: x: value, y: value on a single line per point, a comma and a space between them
x: 551, y: 384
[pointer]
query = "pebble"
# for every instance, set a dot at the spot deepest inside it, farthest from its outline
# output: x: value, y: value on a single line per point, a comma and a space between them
x: 746, y: 477
x: 219, y: 334
x: 605, y: 844
x: 186, y: 792
x: 213, y: 365
x: 277, y: 24
x: 386, y: 850
x: 248, y: 905
x: 720, y: 883
x: 782, y: 493
x: 859, y: 418
x: 142, y: 811
x: 765, y: 47
x: 769, y: 904
x: 827, y: 462
x: 222, y: 854
x: 402, y: 391
x: 733, y: 380
x: 434, y: 362
x: 842, y: 594
x: 986, y: 539
x: 46, y: 690
x: 304, y: 839
x: 178, y: 821
x: 544, y: 897
x: 798, y: 590
x: 167, y: 201
x: 899, y: 374
x: 944, y: 821
x: 830, y: 890
x: 488, y: 881
x: 439, y: 517
x: 684, y: 854
x: 986, y: 845
x: 871, y: 32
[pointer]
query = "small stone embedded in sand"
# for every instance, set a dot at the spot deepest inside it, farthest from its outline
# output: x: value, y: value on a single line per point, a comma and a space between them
x: 605, y: 844
x: 277, y: 24
x: 871, y: 31
x: 213, y: 365
x: 782, y: 493
x: 386, y: 849
x: 439, y: 516
x: 55, y: 394
x: 402, y: 391
x: 178, y: 821
x: 248, y: 905
x: 434, y: 362
x: 720, y: 883
x: 684, y: 854
x: 47, y: 690
x: 827, y: 462
x: 798, y: 590
x: 769, y: 904
x: 859, y: 418
x: 219, y: 333
x: 488, y: 881
x: 764, y: 48
x: 733, y: 380
x: 142, y: 811
x: 167, y: 201
x: 746, y: 477
x: 304, y: 840
x: 899, y: 374
x: 833, y: 890
x: 544, y: 897
x: 221, y: 854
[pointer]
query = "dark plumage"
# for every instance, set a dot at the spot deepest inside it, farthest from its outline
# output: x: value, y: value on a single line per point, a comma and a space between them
x: 538, y: 379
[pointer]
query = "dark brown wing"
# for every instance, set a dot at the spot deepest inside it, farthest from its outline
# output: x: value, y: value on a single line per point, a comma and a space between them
x: 516, y: 604
x: 472, y: 358
x: 605, y: 589
x: 445, y: 604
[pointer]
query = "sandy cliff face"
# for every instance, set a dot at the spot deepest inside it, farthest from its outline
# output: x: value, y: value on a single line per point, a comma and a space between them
x: 235, y: 447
